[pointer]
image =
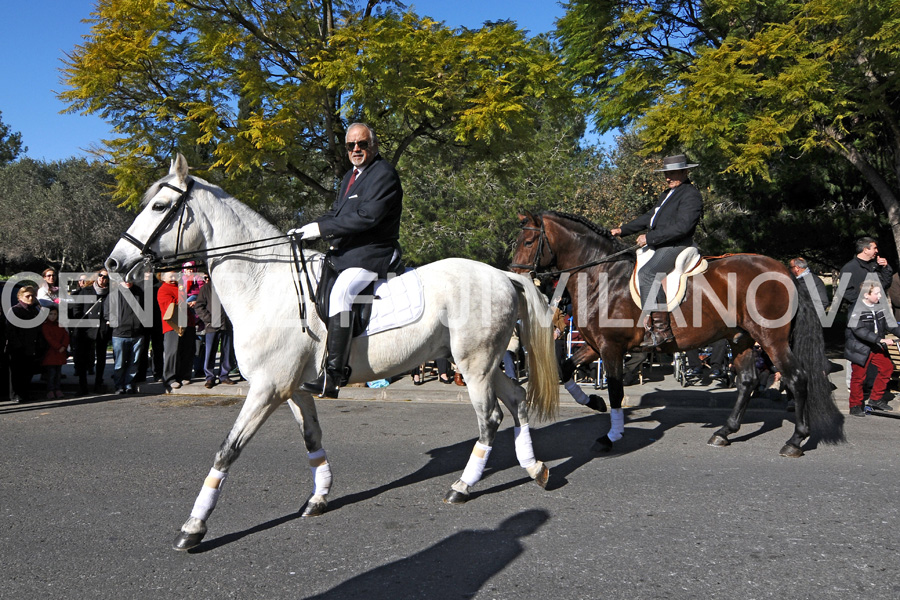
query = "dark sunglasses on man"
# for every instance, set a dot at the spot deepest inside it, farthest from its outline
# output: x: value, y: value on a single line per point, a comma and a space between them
x: 363, y: 145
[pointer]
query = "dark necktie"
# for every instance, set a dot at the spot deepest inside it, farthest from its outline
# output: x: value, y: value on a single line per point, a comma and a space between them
x: 352, y: 179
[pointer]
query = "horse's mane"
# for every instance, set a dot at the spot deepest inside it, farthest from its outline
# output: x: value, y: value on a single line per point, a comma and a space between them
x: 248, y: 216
x: 593, y: 227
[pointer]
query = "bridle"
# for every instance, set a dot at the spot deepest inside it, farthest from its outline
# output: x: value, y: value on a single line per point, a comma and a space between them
x: 151, y: 258
x: 542, y: 240
x: 177, y: 208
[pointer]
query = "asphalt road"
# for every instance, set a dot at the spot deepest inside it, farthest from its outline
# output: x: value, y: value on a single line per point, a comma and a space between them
x: 93, y: 491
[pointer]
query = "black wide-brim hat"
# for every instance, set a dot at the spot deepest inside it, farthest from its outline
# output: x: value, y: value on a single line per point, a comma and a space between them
x: 676, y: 163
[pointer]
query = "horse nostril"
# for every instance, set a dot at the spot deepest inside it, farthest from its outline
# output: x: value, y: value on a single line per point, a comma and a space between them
x: 112, y: 264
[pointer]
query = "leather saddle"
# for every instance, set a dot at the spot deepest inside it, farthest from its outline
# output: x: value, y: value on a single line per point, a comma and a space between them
x: 688, y: 263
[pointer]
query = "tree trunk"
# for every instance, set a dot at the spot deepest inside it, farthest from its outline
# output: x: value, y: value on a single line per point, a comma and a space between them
x: 882, y: 188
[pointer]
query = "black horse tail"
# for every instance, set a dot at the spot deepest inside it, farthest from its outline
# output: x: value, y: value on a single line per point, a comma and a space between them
x: 808, y: 345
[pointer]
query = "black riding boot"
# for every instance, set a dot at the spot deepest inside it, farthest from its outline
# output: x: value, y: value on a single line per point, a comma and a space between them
x: 338, y: 352
x: 659, y: 332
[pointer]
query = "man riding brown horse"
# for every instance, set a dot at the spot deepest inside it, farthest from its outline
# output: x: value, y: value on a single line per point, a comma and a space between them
x: 670, y: 229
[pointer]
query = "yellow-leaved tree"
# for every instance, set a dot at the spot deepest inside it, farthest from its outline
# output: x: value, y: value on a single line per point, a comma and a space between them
x: 258, y: 94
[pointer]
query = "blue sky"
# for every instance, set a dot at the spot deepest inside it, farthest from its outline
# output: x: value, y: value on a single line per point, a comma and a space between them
x: 38, y: 33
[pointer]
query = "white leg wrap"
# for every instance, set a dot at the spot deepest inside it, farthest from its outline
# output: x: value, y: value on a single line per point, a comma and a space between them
x: 475, y: 467
x: 321, y: 472
x: 616, y: 424
x: 209, y: 495
x: 524, y: 449
x: 576, y: 392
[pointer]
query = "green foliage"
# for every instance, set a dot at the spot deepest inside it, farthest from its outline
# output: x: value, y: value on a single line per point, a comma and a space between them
x: 258, y: 94
x: 57, y: 214
x: 10, y: 143
x: 458, y: 205
x: 748, y: 87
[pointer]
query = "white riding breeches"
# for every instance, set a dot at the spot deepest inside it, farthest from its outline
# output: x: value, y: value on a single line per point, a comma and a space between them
x: 347, y: 287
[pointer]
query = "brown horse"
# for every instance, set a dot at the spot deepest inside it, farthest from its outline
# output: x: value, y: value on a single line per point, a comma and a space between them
x: 743, y: 298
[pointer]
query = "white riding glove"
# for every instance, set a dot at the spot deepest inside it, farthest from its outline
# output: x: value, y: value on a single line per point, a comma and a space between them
x: 310, y: 231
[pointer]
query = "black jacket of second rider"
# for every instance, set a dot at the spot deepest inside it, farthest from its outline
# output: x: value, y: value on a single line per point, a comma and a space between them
x: 677, y: 219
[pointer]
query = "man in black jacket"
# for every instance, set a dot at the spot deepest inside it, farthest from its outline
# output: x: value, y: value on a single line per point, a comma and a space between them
x: 800, y: 269
x: 363, y: 228
x: 217, y: 330
x: 865, y: 264
x: 670, y: 229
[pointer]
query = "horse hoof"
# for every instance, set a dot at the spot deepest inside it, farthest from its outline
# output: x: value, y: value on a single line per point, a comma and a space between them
x: 596, y: 402
x: 454, y: 497
x: 186, y: 541
x: 542, y: 477
x: 602, y: 444
x: 791, y: 451
x: 718, y: 441
x: 314, y: 509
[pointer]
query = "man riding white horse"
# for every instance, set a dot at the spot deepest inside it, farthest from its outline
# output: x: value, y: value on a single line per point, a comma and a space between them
x: 363, y: 228
x: 670, y: 229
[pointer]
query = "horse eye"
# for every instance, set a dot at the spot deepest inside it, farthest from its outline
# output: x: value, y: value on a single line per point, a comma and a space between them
x: 529, y: 243
x: 160, y: 206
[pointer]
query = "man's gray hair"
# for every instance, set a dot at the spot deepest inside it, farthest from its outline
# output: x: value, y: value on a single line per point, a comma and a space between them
x: 373, y: 137
x: 800, y: 263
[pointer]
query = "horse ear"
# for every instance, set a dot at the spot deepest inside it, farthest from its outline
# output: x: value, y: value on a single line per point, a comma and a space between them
x: 179, y: 167
x: 525, y: 218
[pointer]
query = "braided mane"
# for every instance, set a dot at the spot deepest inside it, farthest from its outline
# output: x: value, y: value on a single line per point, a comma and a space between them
x: 600, y: 231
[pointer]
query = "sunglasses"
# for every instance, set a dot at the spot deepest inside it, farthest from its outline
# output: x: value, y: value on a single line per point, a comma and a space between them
x: 363, y: 145
x: 102, y: 276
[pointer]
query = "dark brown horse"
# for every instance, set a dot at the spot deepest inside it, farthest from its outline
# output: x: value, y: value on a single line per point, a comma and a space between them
x: 743, y: 298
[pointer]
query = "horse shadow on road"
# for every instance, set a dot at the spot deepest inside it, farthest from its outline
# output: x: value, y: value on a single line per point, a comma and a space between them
x: 569, y: 441
x: 456, y: 567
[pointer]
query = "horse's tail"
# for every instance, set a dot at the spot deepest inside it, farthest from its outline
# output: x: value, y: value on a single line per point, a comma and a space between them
x: 542, y: 392
x: 808, y: 346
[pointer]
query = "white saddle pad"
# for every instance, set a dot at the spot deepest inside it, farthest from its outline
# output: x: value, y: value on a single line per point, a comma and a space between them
x: 398, y: 301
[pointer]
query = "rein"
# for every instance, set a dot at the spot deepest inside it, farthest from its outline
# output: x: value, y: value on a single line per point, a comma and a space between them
x: 172, y: 260
x: 594, y: 263
x: 215, y: 252
x: 533, y: 268
x: 297, y: 249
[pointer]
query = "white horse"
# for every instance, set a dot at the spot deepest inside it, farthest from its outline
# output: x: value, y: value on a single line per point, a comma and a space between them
x: 470, y: 312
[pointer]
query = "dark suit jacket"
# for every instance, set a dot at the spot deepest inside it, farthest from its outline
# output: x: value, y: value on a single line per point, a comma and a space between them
x: 820, y: 287
x: 363, y: 226
x: 676, y: 221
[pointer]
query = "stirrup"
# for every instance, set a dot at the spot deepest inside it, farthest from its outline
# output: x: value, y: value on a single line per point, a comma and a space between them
x: 320, y: 387
x: 654, y: 339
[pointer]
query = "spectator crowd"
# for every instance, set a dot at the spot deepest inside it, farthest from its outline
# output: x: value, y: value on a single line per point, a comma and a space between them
x: 169, y: 329
x: 172, y: 329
